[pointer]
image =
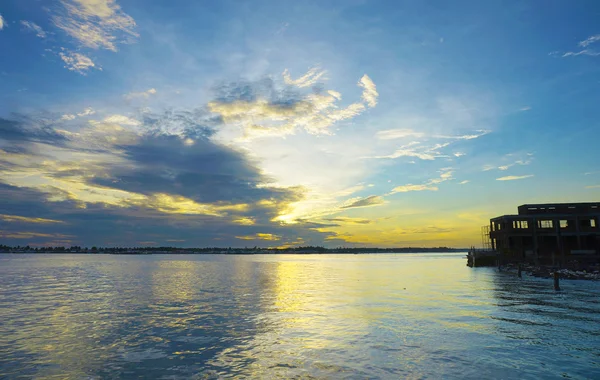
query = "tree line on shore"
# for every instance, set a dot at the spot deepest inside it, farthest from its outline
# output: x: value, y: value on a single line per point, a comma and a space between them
x: 300, y: 249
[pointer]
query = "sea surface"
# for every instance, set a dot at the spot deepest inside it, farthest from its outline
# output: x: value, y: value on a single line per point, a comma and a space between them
x: 391, y: 316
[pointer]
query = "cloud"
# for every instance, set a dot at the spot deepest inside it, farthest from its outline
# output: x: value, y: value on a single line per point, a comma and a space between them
x: 590, y: 40
x: 418, y: 150
x: 311, y: 78
x: 1, y: 22
x: 348, y: 220
x: 26, y: 130
x: 25, y: 219
x: 411, y: 187
x: 526, y: 108
x: 35, y: 28
x: 525, y: 160
x: 513, y: 177
x: 427, y: 151
x: 593, y: 187
x: 391, y: 134
x: 372, y: 200
x: 370, y: 94
x: 122, y: 120
x: 29, y: 235
x: 78, y: 62
x: 86, y: 112
x: 143, y: 94
x: 260, y: 236
x: 261, y: 109
x: 464, y: 182
x: 585, y: 44
x: 430, y: 185
x: 96, y: 24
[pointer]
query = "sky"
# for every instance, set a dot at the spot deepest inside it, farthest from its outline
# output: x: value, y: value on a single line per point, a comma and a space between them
x: 285, y: 123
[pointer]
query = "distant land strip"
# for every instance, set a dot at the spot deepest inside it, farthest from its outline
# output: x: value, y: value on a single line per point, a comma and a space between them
x: 219, y: 250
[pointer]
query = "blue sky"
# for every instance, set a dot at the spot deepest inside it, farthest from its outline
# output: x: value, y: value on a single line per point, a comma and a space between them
x: 278, y: 123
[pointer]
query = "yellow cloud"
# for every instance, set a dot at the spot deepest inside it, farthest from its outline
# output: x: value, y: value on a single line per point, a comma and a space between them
x: 30, y: 235
x: 260, y: 236
x: 25, y: 219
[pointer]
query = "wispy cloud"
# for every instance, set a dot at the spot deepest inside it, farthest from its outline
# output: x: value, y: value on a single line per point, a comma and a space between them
x: 372, y: 200
x: 348, y: 220
x: 78, y: 62
x: 411, y: 187
x: 370, y: 94
x: 526, y: 108
x: 590, y: 40
x: 1, y: 22
x: 585, y: 44
x: 29, y: 235
x: 423, y: 150
x: 312, y: 77
x: 391, y: 134
x: 430, y: 185
x: 525, y: 159
x: 260, y: 236
x: 25, y: 219
x: 593, y: 187
x: 86, y: 112
x: 514, y: 177
x: 464, y: 182
x: 96, y: 24
x: 35, y: 28
x: 142, y: 95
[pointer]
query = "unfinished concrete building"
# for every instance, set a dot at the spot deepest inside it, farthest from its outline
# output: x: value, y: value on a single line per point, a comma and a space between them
x: 548, y: 233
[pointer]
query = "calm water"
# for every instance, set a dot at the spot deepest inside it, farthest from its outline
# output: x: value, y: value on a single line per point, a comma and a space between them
x: 268, y: 316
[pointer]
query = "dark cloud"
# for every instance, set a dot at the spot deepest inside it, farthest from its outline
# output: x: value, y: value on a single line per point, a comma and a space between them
x: 372, y: 200
x: 26, y: 130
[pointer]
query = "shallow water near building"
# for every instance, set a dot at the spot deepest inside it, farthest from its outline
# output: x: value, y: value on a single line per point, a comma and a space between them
x: 290, y: 316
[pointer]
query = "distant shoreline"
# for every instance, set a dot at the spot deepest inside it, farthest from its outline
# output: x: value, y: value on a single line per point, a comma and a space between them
x: 238, y: 251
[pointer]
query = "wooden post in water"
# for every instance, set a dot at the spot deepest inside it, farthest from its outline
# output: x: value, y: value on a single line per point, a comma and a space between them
x: 519, y: 271
x: 556, y: 276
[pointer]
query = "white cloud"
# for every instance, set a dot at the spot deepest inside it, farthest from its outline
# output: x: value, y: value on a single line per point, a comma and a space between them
x: 310, y: 78
x: 418, y: 150
x: 526, y: 108
x: 122, y: 120
x: 370, y: 94
x: 464, y: 182
x: 585, y: 44
x: 590, y: 40
x: 143, y: 94
x: 96, y: 24
x: 526, y: 160
x: 514, y: 177
x: 445, y: 175
x: 459, y: 154
x: 1, y: 22
x: 86, y: 112
x: 78, y: 62
x: 391, y: 134
x: 35, y: 28
x: 315, y: 113
x: 411, y: 187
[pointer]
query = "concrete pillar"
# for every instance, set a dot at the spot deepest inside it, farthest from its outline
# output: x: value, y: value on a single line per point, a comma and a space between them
x: 578, y: 232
